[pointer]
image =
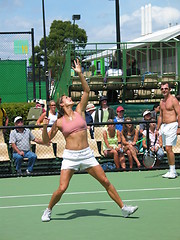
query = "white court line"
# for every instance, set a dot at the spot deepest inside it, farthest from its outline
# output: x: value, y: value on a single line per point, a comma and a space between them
x: 92, y: 192
x: 94, y: 202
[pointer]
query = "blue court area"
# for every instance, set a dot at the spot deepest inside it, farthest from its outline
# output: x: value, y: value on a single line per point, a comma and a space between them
x: 87, y: 212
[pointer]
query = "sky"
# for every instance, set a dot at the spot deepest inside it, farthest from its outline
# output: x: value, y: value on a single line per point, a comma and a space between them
x: 97, y: 16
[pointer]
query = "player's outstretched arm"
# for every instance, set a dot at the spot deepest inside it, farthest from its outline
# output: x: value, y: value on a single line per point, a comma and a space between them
x: 85, y: 97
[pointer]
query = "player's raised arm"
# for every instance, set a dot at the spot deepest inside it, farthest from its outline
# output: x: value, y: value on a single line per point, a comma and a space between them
x: 85, y: 97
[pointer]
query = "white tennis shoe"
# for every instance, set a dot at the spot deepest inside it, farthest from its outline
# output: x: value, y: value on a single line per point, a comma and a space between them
x: 170, y: 175
x: 46, y: 217
x: 128, y: 210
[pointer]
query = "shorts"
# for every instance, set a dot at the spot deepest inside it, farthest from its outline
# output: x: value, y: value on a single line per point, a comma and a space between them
x: 169, y: 133
x: 78, y: 160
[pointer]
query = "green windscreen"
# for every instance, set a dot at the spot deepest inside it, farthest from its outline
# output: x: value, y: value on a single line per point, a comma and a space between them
x: 13, y: 81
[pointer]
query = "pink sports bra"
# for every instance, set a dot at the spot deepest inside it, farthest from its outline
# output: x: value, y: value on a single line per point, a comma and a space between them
x: 76, y: 125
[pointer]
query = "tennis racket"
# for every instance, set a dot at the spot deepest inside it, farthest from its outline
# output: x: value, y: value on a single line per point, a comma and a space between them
x: 149, y: 158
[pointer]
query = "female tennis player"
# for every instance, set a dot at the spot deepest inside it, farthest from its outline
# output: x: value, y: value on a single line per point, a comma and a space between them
x: 77, y: 154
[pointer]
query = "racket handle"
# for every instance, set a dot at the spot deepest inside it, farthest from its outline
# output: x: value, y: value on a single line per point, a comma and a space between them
x: 140, y: 140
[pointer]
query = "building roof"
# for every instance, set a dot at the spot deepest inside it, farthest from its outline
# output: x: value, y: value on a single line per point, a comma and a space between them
x: 167, y: 34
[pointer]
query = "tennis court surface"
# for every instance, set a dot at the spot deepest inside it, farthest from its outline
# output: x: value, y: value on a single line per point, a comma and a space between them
x: 86, y: 211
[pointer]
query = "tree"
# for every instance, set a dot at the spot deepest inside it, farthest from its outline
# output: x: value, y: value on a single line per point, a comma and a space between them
x: 61, y: 33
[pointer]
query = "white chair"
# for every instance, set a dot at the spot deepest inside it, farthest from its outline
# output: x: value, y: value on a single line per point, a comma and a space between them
x: 4, y: 155
x: 1, y: 137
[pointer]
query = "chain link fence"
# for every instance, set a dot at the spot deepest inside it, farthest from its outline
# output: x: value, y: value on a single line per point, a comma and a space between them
x: 48, y: 158
x: 19, y: 80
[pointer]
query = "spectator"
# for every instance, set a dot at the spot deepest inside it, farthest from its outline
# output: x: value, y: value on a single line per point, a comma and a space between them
x: 119, y: 118
x: 155, y: 111
x: 89, y: 114
x: 20, y: 141
x: 155, y: 147
x: 52, y: 115
x: 146, y: 117
x: 35, y: 112
x: 40, y: 104
x: 129, y: 139
x: 132, y: 70
x: 104, y: 113
x: 112, y: 146
x: 89, y: 119
x: 3, y: 117
x: 91, y: 109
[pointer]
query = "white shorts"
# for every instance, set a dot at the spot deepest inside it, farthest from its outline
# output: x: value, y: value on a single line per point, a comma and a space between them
x: 169, y: 133
x: 78, y: 160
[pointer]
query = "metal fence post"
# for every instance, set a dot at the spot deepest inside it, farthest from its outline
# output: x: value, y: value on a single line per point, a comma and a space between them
x: 33, y: 64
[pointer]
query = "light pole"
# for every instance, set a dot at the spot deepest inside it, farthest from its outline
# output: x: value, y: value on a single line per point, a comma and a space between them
x: 74, y: 18
x: 118, y: 35
x: 45, y: 60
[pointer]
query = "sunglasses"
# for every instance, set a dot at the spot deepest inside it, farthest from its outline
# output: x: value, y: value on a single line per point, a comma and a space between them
x: 53, y: 105
x: 20, y: 120
x: 164, y: 89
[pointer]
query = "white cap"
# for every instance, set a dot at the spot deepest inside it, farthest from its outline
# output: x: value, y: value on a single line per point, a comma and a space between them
x: 146, y: 112
x: 40, y: 101
x: 17, y: 118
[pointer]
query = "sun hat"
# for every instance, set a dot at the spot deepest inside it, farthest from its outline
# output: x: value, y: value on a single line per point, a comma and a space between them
x: 17, y: 118
x: 146, y: 112
x: 90, y: 107
x: 119, y: 109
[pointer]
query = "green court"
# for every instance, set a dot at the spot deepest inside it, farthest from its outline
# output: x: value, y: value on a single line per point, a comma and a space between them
x: 86, y: 211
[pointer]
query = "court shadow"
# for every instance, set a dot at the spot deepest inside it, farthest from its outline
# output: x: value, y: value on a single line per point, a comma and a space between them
x: 85, y: 213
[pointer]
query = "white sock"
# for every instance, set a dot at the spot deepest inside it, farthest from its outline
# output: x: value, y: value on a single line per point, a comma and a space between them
x: 172, y: 168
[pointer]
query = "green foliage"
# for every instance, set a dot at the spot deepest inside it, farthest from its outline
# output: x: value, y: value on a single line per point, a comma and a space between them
x: 17, y: 109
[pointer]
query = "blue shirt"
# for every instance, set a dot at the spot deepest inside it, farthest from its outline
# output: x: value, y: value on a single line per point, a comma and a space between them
x: 119, y: 126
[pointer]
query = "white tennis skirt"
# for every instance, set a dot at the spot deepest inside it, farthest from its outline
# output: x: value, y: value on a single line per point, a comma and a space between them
x: 169, y: 133
x: 78, y: 160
